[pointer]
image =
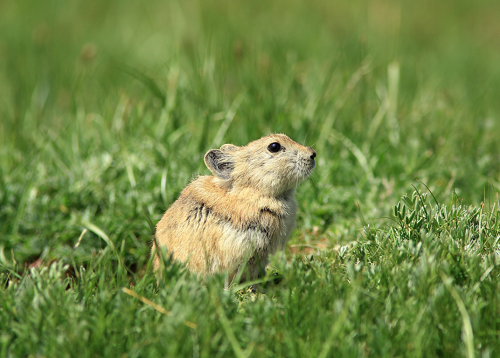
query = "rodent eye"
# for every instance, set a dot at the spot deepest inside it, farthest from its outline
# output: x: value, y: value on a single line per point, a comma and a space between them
x: 274, y: 147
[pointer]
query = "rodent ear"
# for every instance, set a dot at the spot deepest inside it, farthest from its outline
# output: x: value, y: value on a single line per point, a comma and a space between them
x: 228, y: 148
x: 220, y: 164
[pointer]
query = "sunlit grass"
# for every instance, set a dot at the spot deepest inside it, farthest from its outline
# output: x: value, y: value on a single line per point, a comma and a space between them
x: 108, y: 108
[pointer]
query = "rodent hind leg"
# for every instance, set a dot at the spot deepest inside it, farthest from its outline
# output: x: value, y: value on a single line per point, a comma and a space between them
x: 257, y: 266
x: 253, y: 268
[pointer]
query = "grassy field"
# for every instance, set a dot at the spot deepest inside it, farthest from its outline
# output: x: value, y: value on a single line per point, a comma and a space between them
x: 107, y: 108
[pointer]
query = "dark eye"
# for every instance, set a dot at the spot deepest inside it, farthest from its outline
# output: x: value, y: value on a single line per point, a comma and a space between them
x: 274, y: 147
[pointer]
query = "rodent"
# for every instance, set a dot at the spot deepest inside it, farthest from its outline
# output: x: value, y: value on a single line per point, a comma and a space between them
x: 245, y: 211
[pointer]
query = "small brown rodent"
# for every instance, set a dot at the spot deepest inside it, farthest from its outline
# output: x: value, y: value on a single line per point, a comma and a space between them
x: 245, y: 211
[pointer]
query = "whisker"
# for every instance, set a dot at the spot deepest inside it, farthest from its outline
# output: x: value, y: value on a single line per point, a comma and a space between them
x: 299, y: 167
x: 312, y: 145
x: 312, y: 179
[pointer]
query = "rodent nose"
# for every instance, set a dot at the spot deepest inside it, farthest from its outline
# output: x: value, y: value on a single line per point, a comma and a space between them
x: 313, y: 155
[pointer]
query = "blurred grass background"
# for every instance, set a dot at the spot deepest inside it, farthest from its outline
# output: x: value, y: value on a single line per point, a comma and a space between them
x: 107, y: 108
x: 101, y: 101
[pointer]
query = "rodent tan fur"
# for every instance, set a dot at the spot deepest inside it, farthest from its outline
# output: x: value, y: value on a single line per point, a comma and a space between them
x: 245, y: 211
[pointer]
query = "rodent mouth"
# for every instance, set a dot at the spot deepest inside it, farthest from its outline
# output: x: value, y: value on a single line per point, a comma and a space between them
x: 306, y: 168
x: 313, y: 164
x: 310, y: 169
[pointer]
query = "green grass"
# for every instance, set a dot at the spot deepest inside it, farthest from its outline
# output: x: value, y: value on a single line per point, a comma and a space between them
x: 107, y: 109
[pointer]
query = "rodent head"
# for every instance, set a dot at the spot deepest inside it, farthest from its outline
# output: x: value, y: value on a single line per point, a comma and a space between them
x: 271, y: 165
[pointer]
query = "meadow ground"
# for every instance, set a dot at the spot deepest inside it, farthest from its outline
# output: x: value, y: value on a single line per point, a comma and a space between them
x: 107, y: 109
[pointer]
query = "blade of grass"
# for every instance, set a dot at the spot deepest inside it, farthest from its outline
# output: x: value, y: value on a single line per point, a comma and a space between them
x: 155, y: 306
x: 467, y: 326
x: 96, y: 230
x: 341, y: 100
x: 355, y: 151
x: 80, y: 239
x: 238, y: 351
x: 227, y: 121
